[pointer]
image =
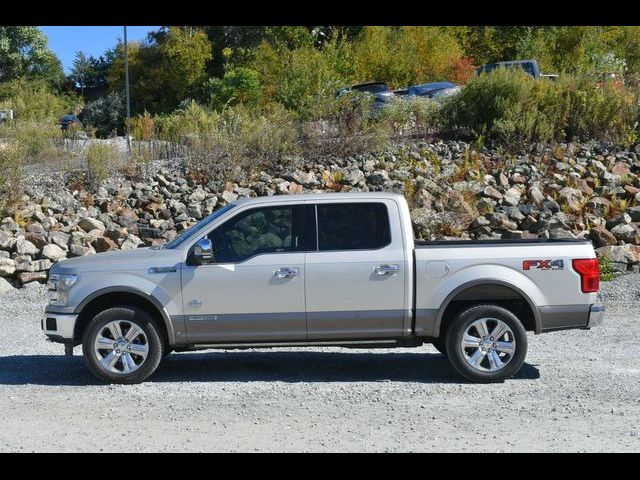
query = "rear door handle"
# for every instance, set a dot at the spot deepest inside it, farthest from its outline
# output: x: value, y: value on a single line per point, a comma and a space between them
x: 286, y: 272
x: 386, y: 270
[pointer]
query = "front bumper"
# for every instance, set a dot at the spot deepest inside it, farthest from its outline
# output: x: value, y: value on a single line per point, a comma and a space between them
x: 58, y: 327
x: 596, y: 315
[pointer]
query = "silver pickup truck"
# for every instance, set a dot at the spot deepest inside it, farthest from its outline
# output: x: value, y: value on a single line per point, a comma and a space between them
x: 321, y: 269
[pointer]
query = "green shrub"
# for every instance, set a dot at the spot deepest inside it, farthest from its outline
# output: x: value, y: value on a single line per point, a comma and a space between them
x: 269, y: 135
x: 101, y: 158
x: 139, y: 161
x: 606, y: 269
x: 302, y: 78
x: 11, y: 161
x: 34, y: 102
x: 239, y: 85
x: 501, y: 105
x: 106, y: 115
x: 595, y: 110
x: 189, y: 121
x: 231, y: 144
x: 345, y: 126
x: 39, y: 142
x: 512, y: 107
x: 411, y: 116
x: 143, y: 127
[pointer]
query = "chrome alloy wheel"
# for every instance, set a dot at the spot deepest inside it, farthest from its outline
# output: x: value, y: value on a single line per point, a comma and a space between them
x: 121, y: 347
x: 488, y: 344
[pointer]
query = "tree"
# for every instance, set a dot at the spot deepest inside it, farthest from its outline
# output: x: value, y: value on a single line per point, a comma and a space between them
x: 81, y: 71
x: 186, y: 52
x: 24, y: 54
x: 169, y: 67
x: 239, y: 41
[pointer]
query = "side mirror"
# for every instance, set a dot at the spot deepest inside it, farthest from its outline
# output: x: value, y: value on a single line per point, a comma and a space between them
x: 202, y: 252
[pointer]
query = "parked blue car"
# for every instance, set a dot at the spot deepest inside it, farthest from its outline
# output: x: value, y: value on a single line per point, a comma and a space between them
x: 69, y: 120
x: 433, y: 90
x: 374, y: 88
x: 378, y: 90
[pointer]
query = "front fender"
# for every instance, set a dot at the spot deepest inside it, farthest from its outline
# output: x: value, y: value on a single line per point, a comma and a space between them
x: 162, y: 293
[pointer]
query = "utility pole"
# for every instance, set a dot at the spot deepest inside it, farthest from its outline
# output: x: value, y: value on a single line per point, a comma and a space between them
x: 126, y: 88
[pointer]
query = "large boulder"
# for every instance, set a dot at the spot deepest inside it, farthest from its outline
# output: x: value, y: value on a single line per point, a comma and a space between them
x: 306, y: 179
x: 512, y: 196
x: 492, y: 192
x: 628, y: 233
x: 5, y: 240
x: 28, y: 277
x: 87, y: 224
x: 354, y: 177
x: 105, y: 244
x: 25, y: 247
x: 131, y: 242
x: 601, y: 237
x: 7, y: 267
x: 572, y: 197
x: 53, y: 252
x: 378, y: 177
x: 60, y: 239
x: 629, y: 254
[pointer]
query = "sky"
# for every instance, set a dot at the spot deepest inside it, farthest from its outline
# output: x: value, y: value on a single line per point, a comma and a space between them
x: 66, y: 41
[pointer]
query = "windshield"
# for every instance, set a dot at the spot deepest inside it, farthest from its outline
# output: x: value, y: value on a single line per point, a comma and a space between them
x: 198, y: 227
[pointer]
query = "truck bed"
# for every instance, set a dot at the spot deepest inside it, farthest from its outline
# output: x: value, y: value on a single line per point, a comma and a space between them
x: 443, y: 267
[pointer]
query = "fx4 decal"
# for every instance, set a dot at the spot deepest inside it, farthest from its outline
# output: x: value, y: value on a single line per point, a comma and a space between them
x: 543, y: 264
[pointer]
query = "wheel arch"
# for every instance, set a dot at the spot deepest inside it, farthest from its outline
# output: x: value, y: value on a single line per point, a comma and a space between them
x: 112, y: 296
x: 469, y: 288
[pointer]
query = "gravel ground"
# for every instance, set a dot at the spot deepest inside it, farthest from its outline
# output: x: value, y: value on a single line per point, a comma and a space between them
x: 578, y: 391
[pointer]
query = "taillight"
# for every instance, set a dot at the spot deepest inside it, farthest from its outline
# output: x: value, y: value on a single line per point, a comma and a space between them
x: 589, y: 271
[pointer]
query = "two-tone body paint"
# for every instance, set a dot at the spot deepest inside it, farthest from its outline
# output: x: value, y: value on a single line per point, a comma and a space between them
x: 334, y: 295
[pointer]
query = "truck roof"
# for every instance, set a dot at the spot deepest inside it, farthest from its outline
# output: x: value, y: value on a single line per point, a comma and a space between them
x: 321, y: 196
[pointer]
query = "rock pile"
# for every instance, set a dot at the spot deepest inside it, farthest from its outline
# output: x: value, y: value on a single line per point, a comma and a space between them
x: 577, y: 191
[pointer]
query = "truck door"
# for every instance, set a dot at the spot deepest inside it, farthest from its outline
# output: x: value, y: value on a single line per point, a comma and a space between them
x: 355, y: 275
x: 254, y: 289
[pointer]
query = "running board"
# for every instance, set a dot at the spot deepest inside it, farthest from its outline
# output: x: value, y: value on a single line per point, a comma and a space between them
x: 409, y: 342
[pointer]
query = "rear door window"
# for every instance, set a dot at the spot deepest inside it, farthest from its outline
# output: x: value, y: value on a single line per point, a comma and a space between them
x: 353, y: 226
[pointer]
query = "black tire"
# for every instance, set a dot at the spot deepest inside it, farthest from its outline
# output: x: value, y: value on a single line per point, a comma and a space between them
x: 132, y: 315
x: 440, y: 344
x: 459, y: 326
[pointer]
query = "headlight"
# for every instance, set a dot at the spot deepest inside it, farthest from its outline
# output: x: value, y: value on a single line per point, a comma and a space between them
x: 59, y: 286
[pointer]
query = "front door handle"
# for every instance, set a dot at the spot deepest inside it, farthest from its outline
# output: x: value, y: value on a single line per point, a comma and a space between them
x: 286, y: 272
x: 386, y: 270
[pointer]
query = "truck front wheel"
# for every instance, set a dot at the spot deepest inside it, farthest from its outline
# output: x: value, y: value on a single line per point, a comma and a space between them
x: 486, y: 343
x: 122, y: 345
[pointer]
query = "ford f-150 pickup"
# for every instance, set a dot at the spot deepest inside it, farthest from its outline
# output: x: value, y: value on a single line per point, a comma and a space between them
x: 319, y: 269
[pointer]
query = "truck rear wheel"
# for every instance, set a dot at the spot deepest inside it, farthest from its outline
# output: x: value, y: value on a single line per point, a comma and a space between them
x: 486, y: 343
x: 122, y: 345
